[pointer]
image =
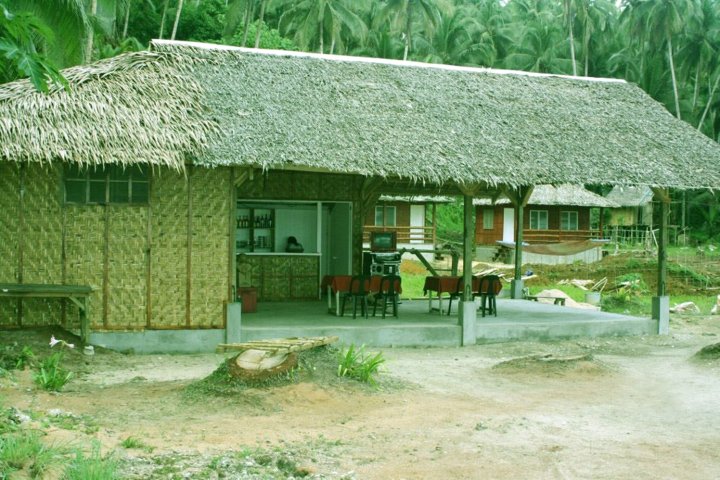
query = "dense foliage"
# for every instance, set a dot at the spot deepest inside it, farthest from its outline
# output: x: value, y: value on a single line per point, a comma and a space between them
x: 667, y: 47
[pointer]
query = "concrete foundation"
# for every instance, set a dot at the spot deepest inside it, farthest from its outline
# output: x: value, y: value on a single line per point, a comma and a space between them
x: 516, y: 289
x: 467, y: 317
x: 661, y: 313
x: 160, y: 341
x: 234, y: 323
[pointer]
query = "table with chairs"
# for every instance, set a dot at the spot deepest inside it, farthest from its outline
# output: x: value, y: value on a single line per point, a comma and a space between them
x: 486, y: 287
x: 363, y: 291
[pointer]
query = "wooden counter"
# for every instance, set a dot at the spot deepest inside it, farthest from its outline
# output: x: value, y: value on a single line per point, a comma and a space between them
x: 280, y: 276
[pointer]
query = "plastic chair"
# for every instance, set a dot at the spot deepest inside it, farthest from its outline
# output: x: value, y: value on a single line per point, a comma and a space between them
x: 358, y: 292
x: 488, y: 288
x: 389, y: 290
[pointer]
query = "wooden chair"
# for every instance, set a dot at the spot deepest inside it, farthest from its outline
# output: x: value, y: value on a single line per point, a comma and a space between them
x: 488, y: 288
x: 358, y: 292
x: 389, y: 290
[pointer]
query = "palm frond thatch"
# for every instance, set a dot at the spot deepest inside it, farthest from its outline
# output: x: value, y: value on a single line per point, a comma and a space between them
x: 139, y: 107
x: 561, y: 195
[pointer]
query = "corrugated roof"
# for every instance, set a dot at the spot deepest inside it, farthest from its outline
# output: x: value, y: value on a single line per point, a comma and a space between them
x: 425, y: 123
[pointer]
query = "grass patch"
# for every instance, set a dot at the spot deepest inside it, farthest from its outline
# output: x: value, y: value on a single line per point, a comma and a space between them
x: 134, y: 443
x: 14, y: 357
x: 24, y: 452
x: 92, y: 466
x: 69, y: 421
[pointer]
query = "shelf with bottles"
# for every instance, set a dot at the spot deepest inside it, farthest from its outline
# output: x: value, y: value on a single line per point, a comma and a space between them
x: 255, y: 229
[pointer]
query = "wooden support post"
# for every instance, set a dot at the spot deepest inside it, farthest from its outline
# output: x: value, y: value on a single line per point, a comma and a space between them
x: 188, y: 257
x: 519, y: 197
x: 661, y: 303
x: 467, y: 247
x: 434, y: 225
x: 601, y: 222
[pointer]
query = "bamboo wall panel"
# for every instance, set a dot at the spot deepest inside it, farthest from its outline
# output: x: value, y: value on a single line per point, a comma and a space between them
x: 42, y: 240
x: 127, y: 266
x: 168, y: 200
x: 210, y: 237
x: 9, y: 235
x: 84, y: 262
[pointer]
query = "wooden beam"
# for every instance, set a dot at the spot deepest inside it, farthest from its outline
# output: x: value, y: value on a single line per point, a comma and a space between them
x: 148, y: 258
x: 21, y: 239
x: 369, y: 194
x: 468, y: 233
x: 188, y: 250
x: 242, y: 175
x: 520, y: 197
x: 664, y: 197
x: 232, y: 262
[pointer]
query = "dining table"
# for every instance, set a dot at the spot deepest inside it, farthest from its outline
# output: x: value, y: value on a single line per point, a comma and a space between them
x: 338, y: 284
x: 444, y: 284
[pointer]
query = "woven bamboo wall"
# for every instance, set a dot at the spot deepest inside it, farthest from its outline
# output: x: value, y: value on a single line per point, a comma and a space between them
x: 9, y: 236
x: 168, y: 253
x: 210, y: 200
x: 127, y: 267
x: 85, y: 255
x: 41, y: 239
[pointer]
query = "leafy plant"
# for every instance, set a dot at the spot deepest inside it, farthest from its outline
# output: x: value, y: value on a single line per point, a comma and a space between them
x: 11, y: 359
x: 355, y: 363
x: 51, y: 376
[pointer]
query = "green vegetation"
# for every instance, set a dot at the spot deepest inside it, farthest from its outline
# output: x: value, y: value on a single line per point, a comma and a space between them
x: 14, y: 357
x: 50, y: 375
x: 91, y: 466
x: 24, y: 451
x: 355, y: 363
x: 136, y: 443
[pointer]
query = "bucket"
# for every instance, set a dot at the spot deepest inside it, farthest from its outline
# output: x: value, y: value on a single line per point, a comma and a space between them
x: 593, y: 298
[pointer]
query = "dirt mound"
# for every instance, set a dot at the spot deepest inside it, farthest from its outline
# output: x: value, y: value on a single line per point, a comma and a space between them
x: 549, y: 364
x: 709, y: 352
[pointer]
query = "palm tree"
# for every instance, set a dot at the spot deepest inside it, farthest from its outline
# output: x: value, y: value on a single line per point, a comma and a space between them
x: 177, y: 19
x: 22, y: 35
x: 311, y: 19
x: 403, y: 12
x: 660, y: 21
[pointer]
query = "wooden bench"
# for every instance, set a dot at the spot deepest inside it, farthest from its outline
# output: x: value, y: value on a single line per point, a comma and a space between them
x: 78, y: 294
x: 556, y: 300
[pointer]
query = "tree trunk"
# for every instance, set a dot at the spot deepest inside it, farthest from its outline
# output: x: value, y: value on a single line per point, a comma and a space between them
x: 127, y: 19
x: 162, y: 20
x: 322, y: 34
x: 258, y: 30
x: 697, y: 86
x: 177, y: 19
x: 408, y: 29
x: 586, y: 46
x: 711, y: 95
x: 246, y: 22
x: 572, y: 45
x: 672, y: 73
x: 91, y: 33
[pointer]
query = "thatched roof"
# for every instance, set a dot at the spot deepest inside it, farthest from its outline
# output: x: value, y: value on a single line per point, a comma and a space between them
x: 567, y: 195
x: 139, y: 107
x: 416, y: 198
x: 626, y: 196
x: 431, y: 124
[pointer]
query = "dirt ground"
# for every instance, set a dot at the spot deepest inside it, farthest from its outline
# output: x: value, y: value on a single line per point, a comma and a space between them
x: 634, y: 407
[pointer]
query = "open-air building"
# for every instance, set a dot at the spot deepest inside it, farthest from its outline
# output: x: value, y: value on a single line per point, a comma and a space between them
x: 160, y: 181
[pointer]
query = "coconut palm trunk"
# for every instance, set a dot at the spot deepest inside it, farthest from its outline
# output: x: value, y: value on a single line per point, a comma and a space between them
x: 672, y: 74
x: 258, y: 30
x: 91, y: 33
x: 162, y: 20
x: 711, y: 95
x: 127, y: 19
x: 408, y: 29
x: 249, y: 7
x: 177, y: 19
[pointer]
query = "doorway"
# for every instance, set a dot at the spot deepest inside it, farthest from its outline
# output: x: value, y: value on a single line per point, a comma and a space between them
x: 336, y: 258
x: 509, y: 225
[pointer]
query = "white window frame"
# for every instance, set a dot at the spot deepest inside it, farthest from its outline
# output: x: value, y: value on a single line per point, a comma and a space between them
x: 566, y: 220
x: 488, y: 218
x: 538, y: 219
x: 385, y: 216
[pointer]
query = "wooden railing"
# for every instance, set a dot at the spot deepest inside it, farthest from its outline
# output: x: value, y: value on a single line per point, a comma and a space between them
x: 405, y: 234
x: 551, y: 236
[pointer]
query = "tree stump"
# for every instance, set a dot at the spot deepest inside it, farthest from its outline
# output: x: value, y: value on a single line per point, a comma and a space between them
x: 255, y: 364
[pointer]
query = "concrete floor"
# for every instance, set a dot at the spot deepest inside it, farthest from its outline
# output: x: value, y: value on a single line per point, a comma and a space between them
x: 415, y: 326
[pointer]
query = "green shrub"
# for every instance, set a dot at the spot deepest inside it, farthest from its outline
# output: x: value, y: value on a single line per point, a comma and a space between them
x: 354, y: 363
x: 51, y: 376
